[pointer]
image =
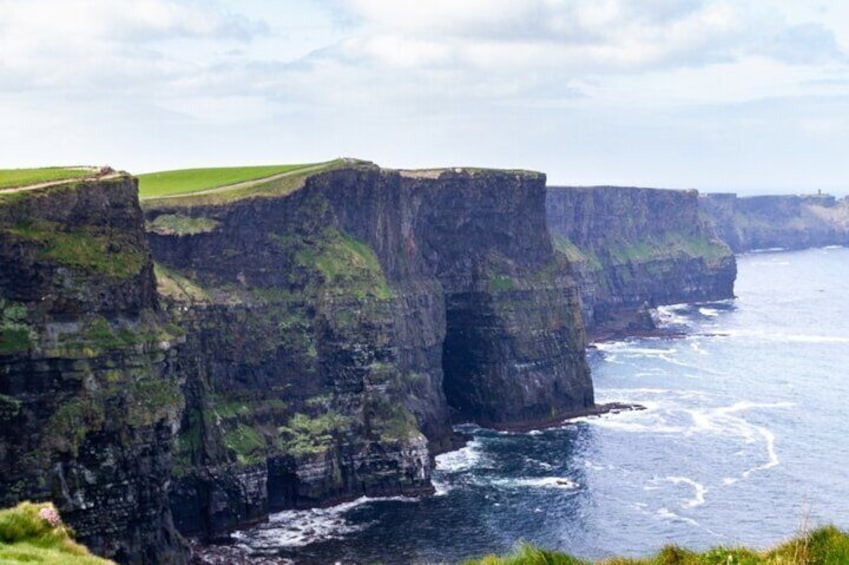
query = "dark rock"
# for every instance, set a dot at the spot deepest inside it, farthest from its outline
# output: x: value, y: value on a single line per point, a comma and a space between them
x: 635, y: 246
x: 334, y: 330
x: 780, y: 221
x: 87, y: 369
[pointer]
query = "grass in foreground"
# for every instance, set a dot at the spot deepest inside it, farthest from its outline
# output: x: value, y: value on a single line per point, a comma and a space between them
x: 34, y: 533
x: 187, y: 181
x: 10, y: 178
x: 825, y: 546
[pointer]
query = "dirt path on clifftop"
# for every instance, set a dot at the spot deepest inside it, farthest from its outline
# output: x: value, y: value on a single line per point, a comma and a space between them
x: 13, y: 189
x: 243, y: 184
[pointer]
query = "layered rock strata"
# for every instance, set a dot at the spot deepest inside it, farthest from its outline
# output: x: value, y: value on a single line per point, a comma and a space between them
x: 637, y: 247
x: 335, y: 327
x: 90, y: 398
x: 780, y: 221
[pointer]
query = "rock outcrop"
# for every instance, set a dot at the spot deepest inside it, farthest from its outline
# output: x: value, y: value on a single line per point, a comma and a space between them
x: 304, y: 339
x: 334, y: 327
x: 637, y: 247
x: 780, y: 221
x: 90, y: 399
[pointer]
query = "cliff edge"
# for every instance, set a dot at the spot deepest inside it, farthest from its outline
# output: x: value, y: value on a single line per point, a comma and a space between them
x: 89, y: 393
x: 338, y: 322
x: 778, y: 221
x: 635, y: 247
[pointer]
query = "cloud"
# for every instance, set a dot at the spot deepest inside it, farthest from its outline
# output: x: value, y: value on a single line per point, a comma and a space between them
x: 577, y: 36
x: 80, y: 44
x: 804, y: 44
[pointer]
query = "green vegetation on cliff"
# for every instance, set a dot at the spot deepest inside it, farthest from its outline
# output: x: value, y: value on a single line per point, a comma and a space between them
x: 221, y: 179
x: 347, y: 265
x: 25, y: 177
x: 15, y: 333
x: 825, y: 546
x: 103, y: 251
x: 308, y: 436
x: 184, y: 181
x: 34, y: 533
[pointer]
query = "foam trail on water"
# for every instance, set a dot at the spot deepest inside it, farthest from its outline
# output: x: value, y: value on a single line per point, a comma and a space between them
x: 670, y: 516
x: 773, y: 460
x: 298, y: 528
x: 700, y: 490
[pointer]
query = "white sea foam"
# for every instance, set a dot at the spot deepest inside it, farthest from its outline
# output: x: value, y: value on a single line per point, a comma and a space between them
x: 564, y: 483
x: 697, y: 347
x: 297, y: 528
x: 772, y: 454
x: 699, y: 490
x: 709, y: 312
x: 671, y: 414
x: 538, y: 463
x: 670, y: 516
x: 461, y: 459
x: 673, y: 315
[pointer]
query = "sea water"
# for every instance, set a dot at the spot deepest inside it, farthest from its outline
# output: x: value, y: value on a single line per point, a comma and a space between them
x: 744, y: 440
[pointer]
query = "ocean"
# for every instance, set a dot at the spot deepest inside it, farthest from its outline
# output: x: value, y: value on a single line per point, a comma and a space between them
x: 744, y: 440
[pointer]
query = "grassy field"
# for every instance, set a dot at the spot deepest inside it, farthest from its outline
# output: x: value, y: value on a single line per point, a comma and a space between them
x: 825, y: 546
x: 27, y: 535
x: 24, y: 177
x: 187, y: 181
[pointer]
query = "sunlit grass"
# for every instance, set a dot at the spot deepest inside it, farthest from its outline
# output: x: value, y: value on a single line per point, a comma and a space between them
x: 187, y: 181
x: 825, y: 546
x: 25, y: 177
x: 27, y: 535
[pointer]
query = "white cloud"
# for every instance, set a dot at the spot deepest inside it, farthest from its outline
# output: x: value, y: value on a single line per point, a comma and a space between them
x: 520, y: 83
x: 80, y: 44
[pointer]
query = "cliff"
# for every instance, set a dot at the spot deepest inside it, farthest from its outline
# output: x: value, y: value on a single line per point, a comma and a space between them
x: 631, y: 247
x: 89, y: 396
x: 337, y: 322
x: 202, y: 360
x: 780, y: 221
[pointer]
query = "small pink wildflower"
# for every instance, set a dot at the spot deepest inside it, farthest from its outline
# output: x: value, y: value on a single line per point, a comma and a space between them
x: 50, y: 516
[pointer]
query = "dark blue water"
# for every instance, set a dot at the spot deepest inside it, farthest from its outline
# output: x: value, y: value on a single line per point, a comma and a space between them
x: 745, y: 440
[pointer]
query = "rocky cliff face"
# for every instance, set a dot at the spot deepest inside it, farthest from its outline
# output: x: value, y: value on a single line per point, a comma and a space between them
x: 334, y: 327
x: 305, y: 340
x: 636, y: 246
x: 787, y: 222
x: 89, y: 396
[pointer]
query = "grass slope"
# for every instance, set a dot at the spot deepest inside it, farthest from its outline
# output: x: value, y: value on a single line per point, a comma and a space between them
x: 10, y: 178
x: 825, y: 546
x: 27, y: 537
x: 187, y: 181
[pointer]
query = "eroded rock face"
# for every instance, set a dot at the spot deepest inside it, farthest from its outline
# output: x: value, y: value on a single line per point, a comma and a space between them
x: 636, y: 246
x: 89, y: 396
x: 331, y: 331
x: 780, y: 221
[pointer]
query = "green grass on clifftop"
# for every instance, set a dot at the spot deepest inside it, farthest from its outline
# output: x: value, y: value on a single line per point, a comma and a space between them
x: 825, y: 546
x: 25, y: 177
x: 27, y: 536
x: 187, y: 181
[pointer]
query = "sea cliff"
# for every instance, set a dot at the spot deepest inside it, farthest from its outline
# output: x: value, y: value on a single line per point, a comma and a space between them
x: 636, y: 247
x: 778, y: 221
x: 335, y: 330
x: 90, y: 396
x: 194, y: 363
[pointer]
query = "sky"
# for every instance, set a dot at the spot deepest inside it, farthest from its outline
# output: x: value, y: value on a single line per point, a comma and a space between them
x: 750, y: 96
